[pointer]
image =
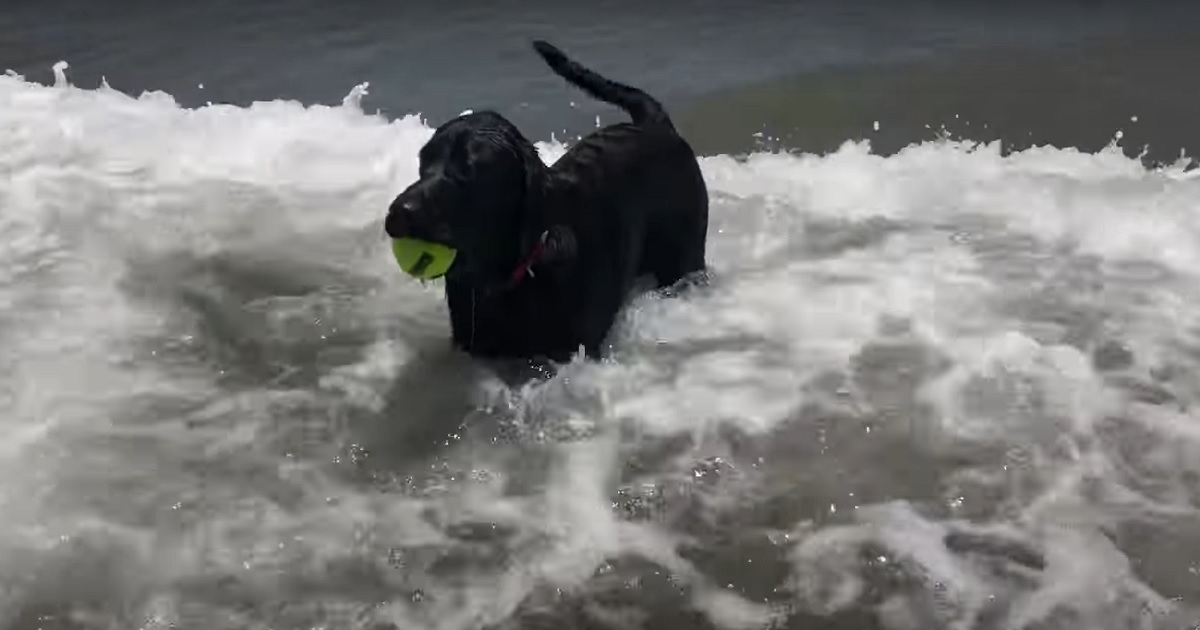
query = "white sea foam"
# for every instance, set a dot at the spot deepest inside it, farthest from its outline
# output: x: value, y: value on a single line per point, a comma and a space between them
x: 947, y: 387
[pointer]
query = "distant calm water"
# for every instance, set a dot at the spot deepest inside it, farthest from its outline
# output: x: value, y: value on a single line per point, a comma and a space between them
x: 438, y: 58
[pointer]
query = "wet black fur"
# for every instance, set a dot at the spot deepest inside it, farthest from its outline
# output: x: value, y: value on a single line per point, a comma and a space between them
x: 624, y: 202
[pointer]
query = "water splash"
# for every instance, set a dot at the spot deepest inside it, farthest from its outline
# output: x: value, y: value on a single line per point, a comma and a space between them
x: 220, y: 395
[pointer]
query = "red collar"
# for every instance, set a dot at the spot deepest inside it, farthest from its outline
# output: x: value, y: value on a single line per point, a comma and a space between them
x: 525, y: 267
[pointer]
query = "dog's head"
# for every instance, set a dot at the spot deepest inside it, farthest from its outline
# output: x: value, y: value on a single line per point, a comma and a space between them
x: 477, y: 178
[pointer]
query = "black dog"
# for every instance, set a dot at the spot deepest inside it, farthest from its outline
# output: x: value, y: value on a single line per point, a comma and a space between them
x: 548, y: 255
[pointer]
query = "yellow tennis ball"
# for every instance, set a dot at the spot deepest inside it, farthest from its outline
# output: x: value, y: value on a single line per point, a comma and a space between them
x: 422, y: 259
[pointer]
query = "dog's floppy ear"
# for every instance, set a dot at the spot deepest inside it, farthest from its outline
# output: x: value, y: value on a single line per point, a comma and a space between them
x: 535, y: 171
x: 503, y: 136
x: 533, y: 220
x: 561, y: 246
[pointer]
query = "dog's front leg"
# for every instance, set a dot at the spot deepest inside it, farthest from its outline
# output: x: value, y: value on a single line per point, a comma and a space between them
x: 461, y: 302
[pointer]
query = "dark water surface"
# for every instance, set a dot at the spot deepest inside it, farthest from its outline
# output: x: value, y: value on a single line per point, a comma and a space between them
x: 440, y: 58
x: 1128, y: 87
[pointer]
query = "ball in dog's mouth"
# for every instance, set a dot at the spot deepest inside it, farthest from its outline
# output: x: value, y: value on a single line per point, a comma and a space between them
x: 423, y: 260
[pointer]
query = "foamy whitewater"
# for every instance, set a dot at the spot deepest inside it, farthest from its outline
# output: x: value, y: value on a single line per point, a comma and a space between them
x: 944, y: 389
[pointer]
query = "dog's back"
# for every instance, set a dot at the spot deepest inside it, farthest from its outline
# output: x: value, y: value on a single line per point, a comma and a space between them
x: 634, y: 195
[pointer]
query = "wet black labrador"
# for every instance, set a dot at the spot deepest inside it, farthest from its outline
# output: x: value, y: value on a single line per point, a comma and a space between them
x: 547, y: 256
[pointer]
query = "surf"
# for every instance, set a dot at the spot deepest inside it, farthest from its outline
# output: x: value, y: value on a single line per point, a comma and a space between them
x: 944, y: 388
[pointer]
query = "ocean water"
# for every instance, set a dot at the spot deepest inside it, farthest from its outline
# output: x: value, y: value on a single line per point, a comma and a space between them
x: 1082, y: 92
x: 946, y: 387
x: 438, y: 58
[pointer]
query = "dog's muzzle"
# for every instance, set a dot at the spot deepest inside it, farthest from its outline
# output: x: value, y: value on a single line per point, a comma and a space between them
x: 399, y: 221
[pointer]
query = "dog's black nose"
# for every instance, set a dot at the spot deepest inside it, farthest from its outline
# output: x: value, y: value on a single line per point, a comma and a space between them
x: 399, y: 219
x: 413, y: 215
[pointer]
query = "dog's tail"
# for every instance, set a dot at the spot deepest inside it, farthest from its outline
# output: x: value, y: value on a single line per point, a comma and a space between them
x: 640, y: 106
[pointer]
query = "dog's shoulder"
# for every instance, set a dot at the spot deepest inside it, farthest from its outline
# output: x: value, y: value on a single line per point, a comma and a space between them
x: 617, y: 144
